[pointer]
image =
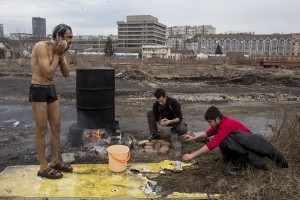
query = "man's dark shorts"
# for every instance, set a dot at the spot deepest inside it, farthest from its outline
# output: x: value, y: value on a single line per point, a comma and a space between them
x: 42, y: 93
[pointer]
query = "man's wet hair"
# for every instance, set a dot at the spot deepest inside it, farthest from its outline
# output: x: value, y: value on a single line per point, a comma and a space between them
x: 212, y: 113
x: 60, y: 29
x: 159, y: 93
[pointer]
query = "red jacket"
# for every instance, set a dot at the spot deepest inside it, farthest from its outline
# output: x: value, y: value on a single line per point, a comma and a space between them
x: 226, y: 126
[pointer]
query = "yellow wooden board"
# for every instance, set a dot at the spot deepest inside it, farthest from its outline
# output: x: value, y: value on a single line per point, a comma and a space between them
x: 86, y: 181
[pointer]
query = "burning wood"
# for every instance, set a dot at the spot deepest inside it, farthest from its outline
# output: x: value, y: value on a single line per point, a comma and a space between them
x: 96, y: 135
x: 93, y: 137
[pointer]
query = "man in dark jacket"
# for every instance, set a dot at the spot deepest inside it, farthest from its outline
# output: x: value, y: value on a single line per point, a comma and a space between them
x: 237, y: 143
x: 167, y: 112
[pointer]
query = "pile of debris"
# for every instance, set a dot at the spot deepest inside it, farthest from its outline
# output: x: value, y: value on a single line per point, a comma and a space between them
x: 136, y: 75
x: 246, y: 97
x: 154, y: 147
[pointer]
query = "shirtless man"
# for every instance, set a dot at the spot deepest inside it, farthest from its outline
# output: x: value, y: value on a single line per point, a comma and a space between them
x: 47, y: 57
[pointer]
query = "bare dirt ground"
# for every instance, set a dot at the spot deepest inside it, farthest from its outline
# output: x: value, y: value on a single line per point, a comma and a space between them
x: 258, y: 97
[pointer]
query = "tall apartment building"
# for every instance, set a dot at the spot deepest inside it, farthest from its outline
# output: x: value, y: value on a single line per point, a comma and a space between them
x: 1, y: 30
x: 39, y: 26
x: 140, y: 30
x: 190, y: 30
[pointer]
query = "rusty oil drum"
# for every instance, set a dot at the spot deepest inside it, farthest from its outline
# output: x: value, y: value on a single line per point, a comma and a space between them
x: 95, y: 96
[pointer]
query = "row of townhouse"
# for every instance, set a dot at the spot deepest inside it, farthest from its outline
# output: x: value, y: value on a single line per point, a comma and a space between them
x: 190, y: 30
x: 92, y: 44
x: 163, y: 51
x: 249, y: 44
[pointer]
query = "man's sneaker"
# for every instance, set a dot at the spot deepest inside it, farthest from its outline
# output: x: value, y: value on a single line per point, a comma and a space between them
x: 221, y: 158
x: 154, y: 137
x: 265, y: 168
x: 280, y: 161
x: 218, y: 158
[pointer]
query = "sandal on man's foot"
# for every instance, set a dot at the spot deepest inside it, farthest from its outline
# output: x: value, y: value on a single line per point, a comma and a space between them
x: 61, y: 166
x: 50, y: 173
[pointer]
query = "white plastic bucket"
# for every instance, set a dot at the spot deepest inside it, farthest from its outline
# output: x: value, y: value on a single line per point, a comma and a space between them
x: 118, y: 155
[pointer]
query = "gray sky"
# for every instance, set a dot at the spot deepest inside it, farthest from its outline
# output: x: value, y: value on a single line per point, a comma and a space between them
x: 99, y: 17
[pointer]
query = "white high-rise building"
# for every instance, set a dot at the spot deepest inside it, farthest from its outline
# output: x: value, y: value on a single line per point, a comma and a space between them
x: 141, y: 30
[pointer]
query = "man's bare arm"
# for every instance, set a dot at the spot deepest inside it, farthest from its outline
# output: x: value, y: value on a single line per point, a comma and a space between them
x: 195, y: 154
x: 48, y: 66
x: 47, y: 69
x: 64, y: 66
x: 188, y: 137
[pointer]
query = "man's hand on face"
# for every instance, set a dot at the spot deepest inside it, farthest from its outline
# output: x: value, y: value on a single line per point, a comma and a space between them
x: 61, y: 48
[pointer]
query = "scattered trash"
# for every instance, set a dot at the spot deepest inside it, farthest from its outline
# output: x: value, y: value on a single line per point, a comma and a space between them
x: 148, y: 191
x: 155, y: 147
x: 118, y: 74
x: 142, y: 143
x: 232, y: 187
x: 68, y: 157
x: 16, y: 124
x: 233, y: 173
x: 149, y: 188
x: 152, y: 185
x: 127, y: 140
x: 115, y: 140
x: 146, y: 170
x: 152, y: 175
x: 158, y: 190
x: 134, y: 170
x: 101, y: 151
x: 149, y: 174
x: 177, y: 164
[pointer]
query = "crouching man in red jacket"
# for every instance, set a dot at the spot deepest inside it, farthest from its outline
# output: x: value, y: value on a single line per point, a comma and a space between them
x: 236, y: 142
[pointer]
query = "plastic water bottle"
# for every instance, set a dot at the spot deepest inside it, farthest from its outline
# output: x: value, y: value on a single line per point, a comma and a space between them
x: 177, y: 164
x: 177, y: 149
x: 173, y: 138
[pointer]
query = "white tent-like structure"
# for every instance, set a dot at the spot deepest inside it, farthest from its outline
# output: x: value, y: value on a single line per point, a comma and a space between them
x: 202, y: 56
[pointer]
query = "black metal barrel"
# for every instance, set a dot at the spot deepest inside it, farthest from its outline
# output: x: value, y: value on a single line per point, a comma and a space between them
x: 95, y: 95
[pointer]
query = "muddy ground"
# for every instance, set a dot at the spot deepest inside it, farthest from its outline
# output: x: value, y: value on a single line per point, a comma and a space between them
x: 256, y: 96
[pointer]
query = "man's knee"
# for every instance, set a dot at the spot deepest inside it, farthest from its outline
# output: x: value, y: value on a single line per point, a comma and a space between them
x: 181, y: 129
x: 256, y: 160
x: 150, y: 113
x: 55, y: 127
x: 41, y: 130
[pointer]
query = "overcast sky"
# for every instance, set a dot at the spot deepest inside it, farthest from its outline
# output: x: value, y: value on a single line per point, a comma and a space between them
x: 99, y: 17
